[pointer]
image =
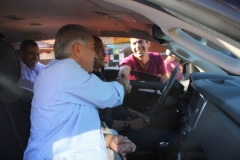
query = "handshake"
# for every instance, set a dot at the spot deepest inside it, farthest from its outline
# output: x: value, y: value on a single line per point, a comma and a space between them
x: 124, y: 81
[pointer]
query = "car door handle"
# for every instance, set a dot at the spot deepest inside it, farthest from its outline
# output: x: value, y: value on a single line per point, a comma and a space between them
x: 149, y: 90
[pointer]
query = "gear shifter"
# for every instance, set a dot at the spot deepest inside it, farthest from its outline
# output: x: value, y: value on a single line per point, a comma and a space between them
x: 162, y: 151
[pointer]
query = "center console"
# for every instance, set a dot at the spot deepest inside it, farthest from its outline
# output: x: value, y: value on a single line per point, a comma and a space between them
x: 210, y: 118
x: 192, y: 113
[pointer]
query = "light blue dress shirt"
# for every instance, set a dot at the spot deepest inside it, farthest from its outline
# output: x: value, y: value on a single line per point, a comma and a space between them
x: 64, y: 117
x: 28, y: 76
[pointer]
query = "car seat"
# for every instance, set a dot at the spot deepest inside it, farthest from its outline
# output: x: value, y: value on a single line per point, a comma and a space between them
x: 15, y: 105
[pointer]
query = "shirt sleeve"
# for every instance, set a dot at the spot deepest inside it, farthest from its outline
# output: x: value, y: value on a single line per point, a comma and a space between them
x: 40, y: 67
x: 90, y: 88
x: 167, y: 66
x: 127, y: 61
x: 25, y: 80
x: 162, y: 68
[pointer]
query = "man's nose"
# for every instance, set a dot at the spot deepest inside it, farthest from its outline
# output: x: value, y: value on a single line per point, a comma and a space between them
x: 138, y: 45
x: 104, y: 54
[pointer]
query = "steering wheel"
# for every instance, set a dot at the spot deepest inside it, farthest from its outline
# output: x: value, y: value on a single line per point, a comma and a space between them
x: 166, y: 90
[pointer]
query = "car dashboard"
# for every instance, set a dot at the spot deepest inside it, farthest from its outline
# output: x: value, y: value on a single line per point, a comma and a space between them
x: 211, y: 122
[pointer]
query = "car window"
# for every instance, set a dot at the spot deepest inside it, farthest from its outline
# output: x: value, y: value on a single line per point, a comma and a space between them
x: 208, y: 43
x: 118, y: 48
x: 46, y: 51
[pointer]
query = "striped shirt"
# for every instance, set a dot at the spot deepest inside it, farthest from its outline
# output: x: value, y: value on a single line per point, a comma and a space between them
x: 28, y: 76
x: 64, y: 117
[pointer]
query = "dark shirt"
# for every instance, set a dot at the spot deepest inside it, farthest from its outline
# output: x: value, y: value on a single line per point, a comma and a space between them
x: 108, y: 115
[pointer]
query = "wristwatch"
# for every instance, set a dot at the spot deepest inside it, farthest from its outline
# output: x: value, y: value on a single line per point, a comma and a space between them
x: 126, y: 126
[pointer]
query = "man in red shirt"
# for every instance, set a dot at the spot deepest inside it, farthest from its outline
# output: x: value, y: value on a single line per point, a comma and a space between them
x: 170, y: 64
x: 143, y: 61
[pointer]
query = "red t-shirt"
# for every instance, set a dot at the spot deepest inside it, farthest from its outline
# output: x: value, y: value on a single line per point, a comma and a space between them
x: 154, y: 66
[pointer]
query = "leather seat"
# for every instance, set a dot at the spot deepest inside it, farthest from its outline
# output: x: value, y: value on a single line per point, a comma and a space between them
x: 15, y: 106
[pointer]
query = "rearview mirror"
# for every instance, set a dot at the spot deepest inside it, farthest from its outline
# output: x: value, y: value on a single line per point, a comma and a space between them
x: 159, y: 35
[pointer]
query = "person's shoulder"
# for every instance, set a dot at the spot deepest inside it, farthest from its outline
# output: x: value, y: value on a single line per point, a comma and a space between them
x: 167, y: 61
x: 22, y: 64
x: 24, y: 67
x: 130, y: 57
x: 55, y: 64
x: 70, y: 64
x: 62, y: 62
x: 40, y: 65
x: 127, y: 59
x: 154, y: 54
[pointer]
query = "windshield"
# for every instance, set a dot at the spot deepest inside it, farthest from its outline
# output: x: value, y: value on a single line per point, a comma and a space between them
x: 205, y: 42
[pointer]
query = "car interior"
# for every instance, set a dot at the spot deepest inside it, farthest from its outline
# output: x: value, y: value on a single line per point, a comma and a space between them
x: 203, y: 34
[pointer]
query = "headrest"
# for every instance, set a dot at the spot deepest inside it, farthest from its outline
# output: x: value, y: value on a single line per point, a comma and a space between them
x: 10, y: 68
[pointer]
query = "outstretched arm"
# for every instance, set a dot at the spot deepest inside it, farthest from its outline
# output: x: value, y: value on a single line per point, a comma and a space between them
x: 165, y: 77
x: 124, y: 81
x: 124, y: 70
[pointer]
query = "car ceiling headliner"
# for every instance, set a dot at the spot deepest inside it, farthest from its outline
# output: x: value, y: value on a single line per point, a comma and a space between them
x: 53, y: 14
x: 16, y: 17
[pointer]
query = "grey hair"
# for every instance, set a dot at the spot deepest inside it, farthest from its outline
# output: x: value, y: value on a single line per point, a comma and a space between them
x: 67, y: 36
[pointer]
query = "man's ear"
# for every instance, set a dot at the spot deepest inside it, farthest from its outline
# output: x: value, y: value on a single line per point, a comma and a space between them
x: 148, y: 43
x: 76, y: 50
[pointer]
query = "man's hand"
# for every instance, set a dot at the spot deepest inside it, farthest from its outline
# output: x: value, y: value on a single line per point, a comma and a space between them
x: 136, y: 114
x: 164, y: 78
x: 125, y: 82
x: 145, y: 118
x: 120, y: 144
x: 137, y: 123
